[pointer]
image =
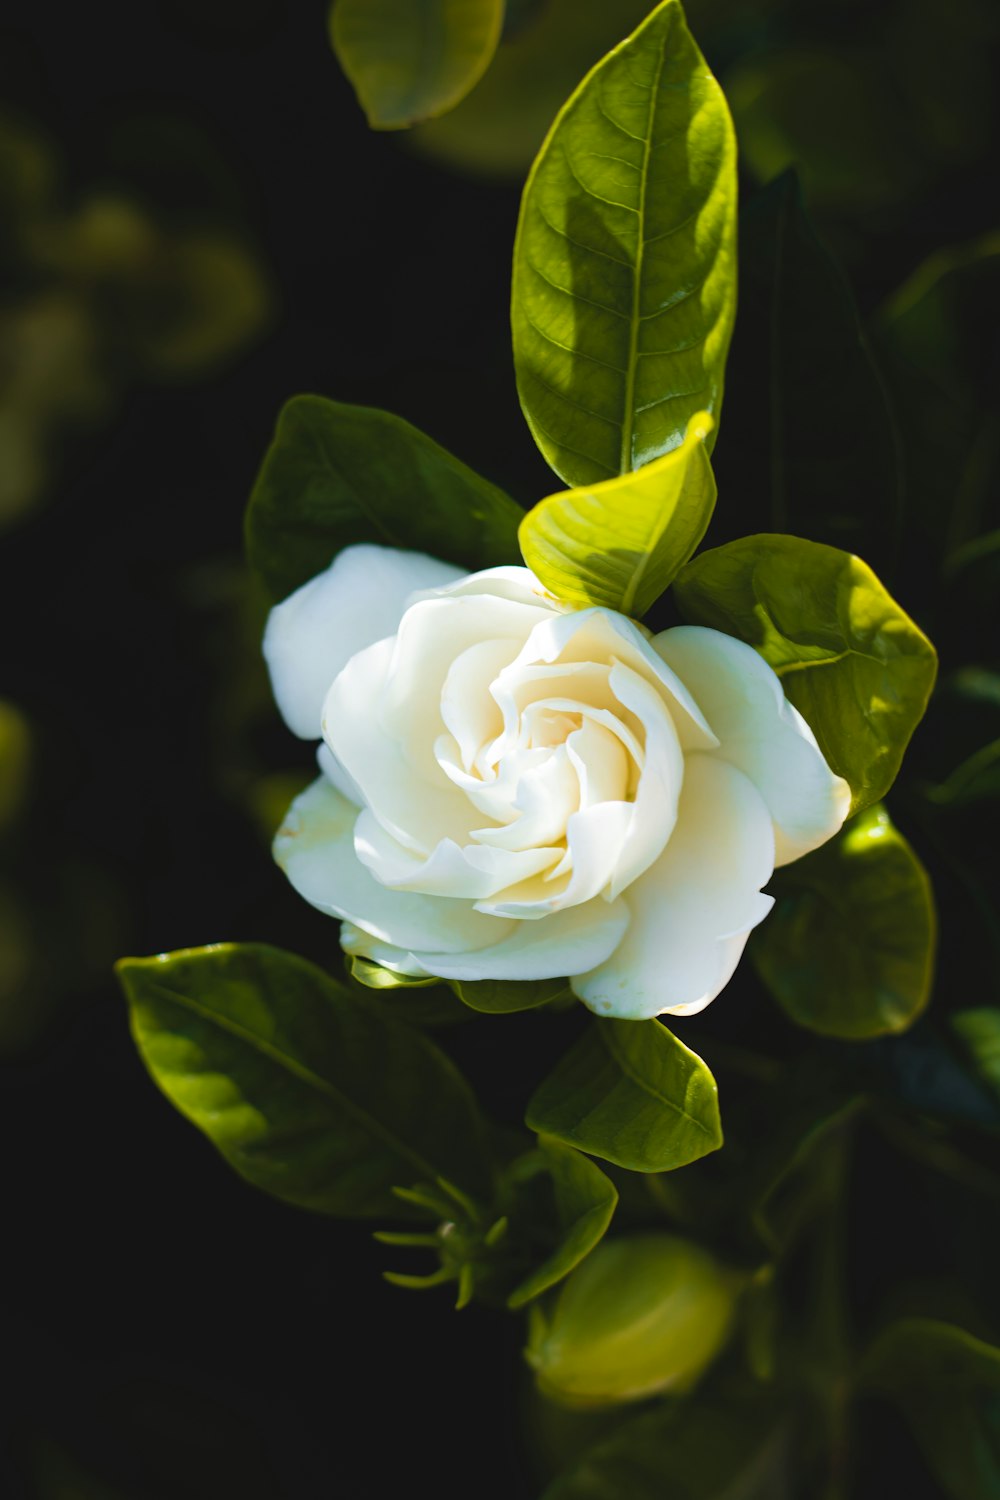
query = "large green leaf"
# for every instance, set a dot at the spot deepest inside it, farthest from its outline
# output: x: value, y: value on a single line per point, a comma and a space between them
x: 620, y: 543
x: 410, y: 60
x: 947, y: 1384
x: 624, y: 265
x: 698, y: 1448
x: 849, y: 948
x: 585, y: 1201
x: 853, y: 663
x: 827, y: 452
x: 313, y: 1094
x: 630, y: 1092
x: 337, y: 474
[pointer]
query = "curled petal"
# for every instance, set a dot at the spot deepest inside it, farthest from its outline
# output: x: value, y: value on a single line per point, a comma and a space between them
x: 534, y: 950
x: 315, y: 631
x: 468, y: 873
x: 315, y: 848
x: 418, y: 811
x: 762, y: 734
x: 692, y: 911
x: 601, y: 635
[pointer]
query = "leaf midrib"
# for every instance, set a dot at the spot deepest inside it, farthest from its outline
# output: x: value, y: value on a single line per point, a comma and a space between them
x: 617, y: 1057
x: 628, y: 421
x: 300, y: 1071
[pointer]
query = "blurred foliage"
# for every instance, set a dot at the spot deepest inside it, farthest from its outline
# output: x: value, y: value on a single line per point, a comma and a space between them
x: 98, y: 293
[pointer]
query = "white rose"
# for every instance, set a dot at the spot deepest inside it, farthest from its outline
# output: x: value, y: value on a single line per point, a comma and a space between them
x: 514, y: 790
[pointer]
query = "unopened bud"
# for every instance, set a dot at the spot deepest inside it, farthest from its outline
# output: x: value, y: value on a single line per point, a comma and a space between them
x: 641, y: 1315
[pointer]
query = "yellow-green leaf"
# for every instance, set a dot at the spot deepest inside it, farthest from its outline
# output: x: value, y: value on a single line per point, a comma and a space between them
x: 620, y: 543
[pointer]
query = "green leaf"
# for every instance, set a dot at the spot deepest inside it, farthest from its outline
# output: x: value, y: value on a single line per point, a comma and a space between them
x: 827, y: 446
x: 410, y: 60
x: 978, y: 1030
x: 848, y: 950
x: 310, y: 1093
x: 947, y: 1385
x: 374, y: 977
x: 630, y: 1092
x: 585, y: 1204
x: 337, y: 474
x: 624, y: 264
x: 503, y: 997
x: 622, y: 542
x: 853, y: 663
x: 698, y: 1448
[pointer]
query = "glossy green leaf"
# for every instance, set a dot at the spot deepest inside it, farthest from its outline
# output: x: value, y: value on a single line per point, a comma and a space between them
x: 853, y: 663
x: 630, y: 1092
x: 947, y: 1385
x: 310, y: 1092
x: 503, y: 997
x: 410, y: 60
x: 622, y: 542
x: 827, y: 453
x: 585, y: 1204
x: 978, y: 1030
x: 849, y: 948
x: 624, y: 265
x: 698, y: 1448
x: 337, y: 474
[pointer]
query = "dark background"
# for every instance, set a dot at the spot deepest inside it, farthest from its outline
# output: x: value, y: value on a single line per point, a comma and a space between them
x: 166, y: 1331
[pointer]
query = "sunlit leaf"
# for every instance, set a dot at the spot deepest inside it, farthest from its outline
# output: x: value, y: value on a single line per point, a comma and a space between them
x: 853, y: 663
x: 630, y: 1092
x: 312, y: 1095
x: 849, y: 948
x: 624, y: 265
x: 620, y: 543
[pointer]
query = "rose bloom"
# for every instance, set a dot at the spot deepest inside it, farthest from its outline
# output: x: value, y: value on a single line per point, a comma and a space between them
x: 514, y: 790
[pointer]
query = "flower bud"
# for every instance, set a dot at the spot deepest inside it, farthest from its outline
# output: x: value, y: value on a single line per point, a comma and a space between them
x: 642, y: 1315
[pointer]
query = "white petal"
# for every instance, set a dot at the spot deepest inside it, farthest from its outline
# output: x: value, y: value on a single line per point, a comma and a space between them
x: 762, y: 734
x: 417, y: 811
x: 654, y: 809
x: 315, y: 848
x: 467, y: 873
x: 601, y: 635
x: 584, y: 935
x: 594, y: 840
x: 701, y: 894
x: 508, y: 582
x: 358, y: 600
x: 432, y: 635
x: 337, y: 776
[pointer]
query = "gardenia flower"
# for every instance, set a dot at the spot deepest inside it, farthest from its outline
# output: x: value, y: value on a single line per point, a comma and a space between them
x: 512, y: 790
